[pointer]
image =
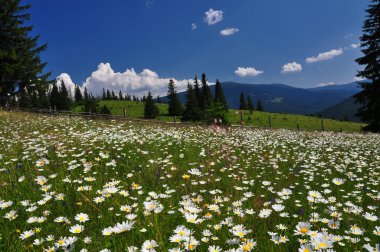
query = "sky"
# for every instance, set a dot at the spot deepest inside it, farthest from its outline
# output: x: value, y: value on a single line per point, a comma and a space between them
x: 136, y: 45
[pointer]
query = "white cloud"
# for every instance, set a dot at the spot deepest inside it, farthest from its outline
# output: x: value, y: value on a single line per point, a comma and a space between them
x: 355, y: 45
x: 228, y: 31
x: 291, y: 67
x: 325, y: 55
x: 247, y: 71
x: 194, y: 26
x: 70, y: 85
x: 324, y: 84
x: 129, y: 81
x: 359, y: 79
x: 213, y: 16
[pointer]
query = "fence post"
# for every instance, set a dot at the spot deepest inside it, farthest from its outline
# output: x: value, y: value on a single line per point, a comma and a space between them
x: 125, y: 112
x: 270, y: 121
x: 298, y: 127
x: 241, y: 117
x: 175, y: 119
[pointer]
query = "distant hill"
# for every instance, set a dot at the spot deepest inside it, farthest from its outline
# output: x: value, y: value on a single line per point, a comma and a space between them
x: 344, y: 110
x: 282, y: 98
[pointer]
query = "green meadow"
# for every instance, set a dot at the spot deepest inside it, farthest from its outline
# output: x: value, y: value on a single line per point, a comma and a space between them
x: 259, y: 119
x: 81, y: 184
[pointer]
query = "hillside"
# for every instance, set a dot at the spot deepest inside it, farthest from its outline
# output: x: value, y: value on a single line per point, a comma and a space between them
x: 282, y: 98
x: 260, y: 119
x: 344, y: 110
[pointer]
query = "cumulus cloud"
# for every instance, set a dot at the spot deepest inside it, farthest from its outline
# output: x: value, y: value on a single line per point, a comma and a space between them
x: 247, y: 71
x: 228, y: 31
x: 355, y: 45
x: 325, y: 55
x: 129, y: 81
x: 70, y: 85
x: 194, y: 26
x: 213, y: 16
x: 291, y: 68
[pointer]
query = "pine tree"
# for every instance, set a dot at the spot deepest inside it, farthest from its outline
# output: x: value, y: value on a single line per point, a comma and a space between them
x: 219, y: 96
x: 104, y: 97
x: 243, y: 104
x: 191, y: 111
x: 54, y: 97
x: 121, y: 96
x: 108, y: 96
x: 369, y: 97
x: 24, y: 101
x: 158, y: 99
x: 43, y: 99
x: 250, y: 106
x: 78, y: 97
x: 207, y: 99
x: 150, y: 108
x: 197, y: 91
x: 259, y: 106
x: 113, y: 95
x: 174, y: 104
x: 21, y: 65
x: 85, y: 95
x: 104, y: 110
x: 64, y: 102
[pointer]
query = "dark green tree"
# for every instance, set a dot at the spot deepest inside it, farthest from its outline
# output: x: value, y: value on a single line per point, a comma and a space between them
x: 369, y: 97
x: 85, y: 94
x: 174, y: 104
x: 108, y: 96
x: 105, y: 110
x: 250, y: 106
x: 219, y: 96
x: 104, y: 94
x: 259, y: 106
x: 191, y: 111
x: 43, y: 99
x: 78, y: 97
x: 197, y: 91
x: 54, y: 96
x: 24, y: 99
x: 206, y: 99
x: 121, y: 96
x: 243, y: 104
x: 65, y: 101
x: 150, y: 108
x: 20, y: 65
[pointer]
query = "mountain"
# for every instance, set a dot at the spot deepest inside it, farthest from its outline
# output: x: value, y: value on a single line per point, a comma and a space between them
x: 282, y: 98
x: 344, y: 110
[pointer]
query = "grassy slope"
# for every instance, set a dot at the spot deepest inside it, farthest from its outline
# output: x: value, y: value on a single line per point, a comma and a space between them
x: 261, y: 119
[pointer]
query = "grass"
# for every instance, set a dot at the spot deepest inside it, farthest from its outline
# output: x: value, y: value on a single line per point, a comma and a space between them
x: 260, y: 119
x: 154, y: 175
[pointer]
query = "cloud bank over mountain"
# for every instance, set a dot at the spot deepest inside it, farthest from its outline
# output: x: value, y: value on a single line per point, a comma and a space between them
x: 129, y: 81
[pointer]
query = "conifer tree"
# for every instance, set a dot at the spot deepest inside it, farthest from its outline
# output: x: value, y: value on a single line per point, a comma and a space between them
x: 65, y: 101
x: 197, y: 91
x: 259, y: 106
x: 121, y: 96
x: 243, y: 104
x: 20, y: 65
x: 108, y: 96
x: 219, y: 96
x: 24, y: 101
x: 43, y: 99
x: 250, y: 106
x: 150, y: 108
x: 174, y: 104
x: 78, y: 97
x: 191, y: 111
x: 104, y: 97
x: 85, y: 95
x: 54, y: 97
x: 369, y: 97
x: 207, y: 99
x: 113, y: 95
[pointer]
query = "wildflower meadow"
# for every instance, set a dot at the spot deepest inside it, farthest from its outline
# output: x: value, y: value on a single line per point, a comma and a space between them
x: 73, y: 184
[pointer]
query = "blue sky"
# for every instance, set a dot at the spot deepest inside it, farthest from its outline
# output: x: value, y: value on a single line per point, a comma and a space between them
x: 158, y: 35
